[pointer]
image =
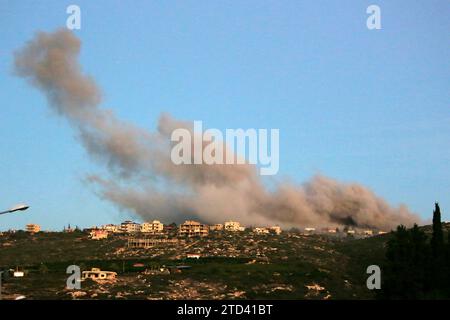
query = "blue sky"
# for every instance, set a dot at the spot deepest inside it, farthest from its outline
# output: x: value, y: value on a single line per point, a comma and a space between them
x: 354, y: 104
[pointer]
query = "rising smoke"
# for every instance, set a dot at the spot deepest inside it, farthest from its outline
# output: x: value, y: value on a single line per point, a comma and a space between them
x: 144, y: 181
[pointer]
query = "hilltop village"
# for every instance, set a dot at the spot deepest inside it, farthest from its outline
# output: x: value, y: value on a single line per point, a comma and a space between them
x: 191, y: 260
x: 193, y: 229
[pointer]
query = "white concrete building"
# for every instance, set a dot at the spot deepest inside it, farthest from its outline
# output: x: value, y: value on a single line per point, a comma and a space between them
x: 153, y: 227
x: 193, y: 229
x: 130, y: 227
x: 33, y: 228
x: 111, y: 228
x: 216, y: 227
x: 97, y: 274
x: 233, y: 226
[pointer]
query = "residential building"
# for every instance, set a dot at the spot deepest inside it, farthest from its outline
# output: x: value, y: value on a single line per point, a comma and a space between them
x: 259, y: 230
x: 130, y: 227
x: 193, y: 229
x: 33, y: 228
x: 216, y: 227
x: 97, y: 274
x: 111, y: 228
x: 98, y: 234
x: 153, y: 227
x: 233, y: 226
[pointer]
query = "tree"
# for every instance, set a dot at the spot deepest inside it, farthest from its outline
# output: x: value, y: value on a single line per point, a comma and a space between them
x: 417, y: 268
x: 437, y: 261
x: 407, y: 257
x: 437, y: 239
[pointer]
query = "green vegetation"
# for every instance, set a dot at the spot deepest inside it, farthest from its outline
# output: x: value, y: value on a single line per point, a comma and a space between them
x: 417, y: 267
x: 233, y: 266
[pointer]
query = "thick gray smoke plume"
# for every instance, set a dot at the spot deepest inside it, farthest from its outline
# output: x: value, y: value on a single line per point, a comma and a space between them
x: 144, y: 181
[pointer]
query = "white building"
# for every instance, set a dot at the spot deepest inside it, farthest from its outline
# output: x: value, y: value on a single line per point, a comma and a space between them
x: 216, y: 227
x: 153, y: 227
x: 193, y: 229
x: 33, y: 228
x: 111, y: 228
x: 233, y: 226
x: 260, y: 230
x: 97, y: 274
x: 130, y: 227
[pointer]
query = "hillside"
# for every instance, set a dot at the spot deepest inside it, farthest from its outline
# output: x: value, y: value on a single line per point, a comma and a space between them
x: 232, y: 266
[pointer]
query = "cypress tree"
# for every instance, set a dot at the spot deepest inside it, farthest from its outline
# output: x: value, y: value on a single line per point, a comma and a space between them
x: 437, y: 239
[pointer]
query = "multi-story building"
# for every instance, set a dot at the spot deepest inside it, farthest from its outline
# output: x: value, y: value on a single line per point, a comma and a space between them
x: 233, y: 226
x: 130, y: 227
x: 193, y: 229
x: 154, y: 227
x: 33, y: 228
x: 216, y: 227
x: 111, y: 228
